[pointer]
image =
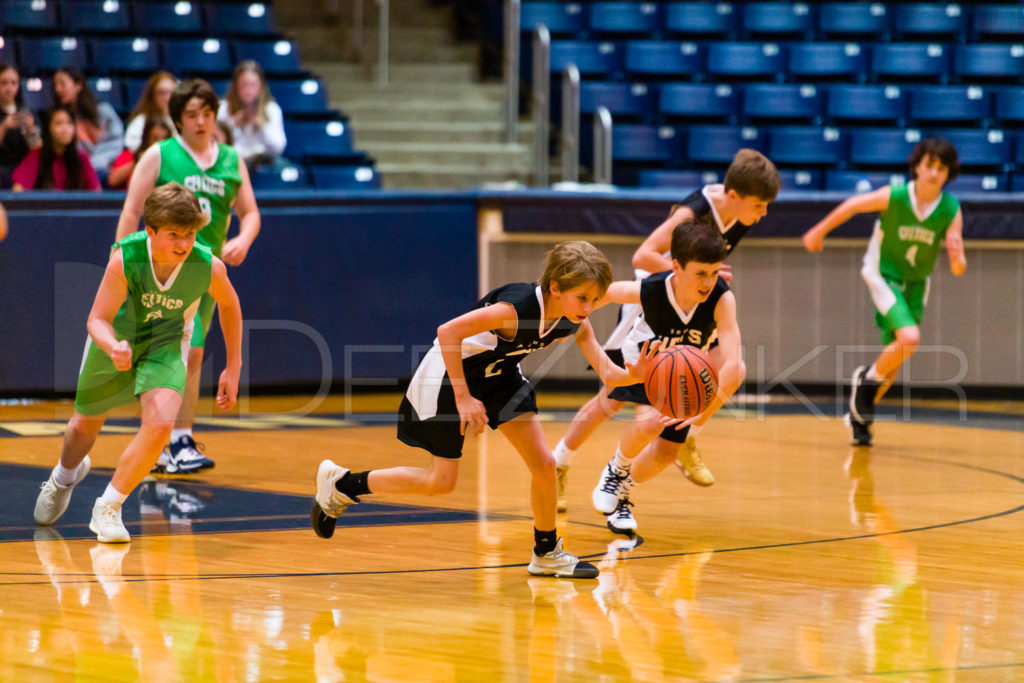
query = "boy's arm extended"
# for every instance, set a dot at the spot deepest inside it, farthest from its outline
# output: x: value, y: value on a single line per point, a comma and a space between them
x: 730, y: 343
x: 143, y: 181
x: 500, y: 318
x: 109, y: 297
x: 620, y: 292
x: 955, y: 245
x: 650, y: 255
x: 610, y: 373
x: 870, y: 202
x: 237, y: 248
x: 229, y: 311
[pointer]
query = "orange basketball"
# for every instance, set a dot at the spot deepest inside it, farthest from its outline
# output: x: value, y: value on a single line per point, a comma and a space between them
x: 681, y: 382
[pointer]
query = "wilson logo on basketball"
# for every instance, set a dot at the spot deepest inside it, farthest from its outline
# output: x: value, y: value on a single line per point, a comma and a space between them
x: 681, y: 382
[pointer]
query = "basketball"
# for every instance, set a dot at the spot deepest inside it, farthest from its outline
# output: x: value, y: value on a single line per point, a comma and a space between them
x: 681, y: 382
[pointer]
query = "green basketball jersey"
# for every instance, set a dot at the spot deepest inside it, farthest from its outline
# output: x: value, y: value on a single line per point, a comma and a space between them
x: 910, y: 246
x: 216, y: 187
x: 154, y: 313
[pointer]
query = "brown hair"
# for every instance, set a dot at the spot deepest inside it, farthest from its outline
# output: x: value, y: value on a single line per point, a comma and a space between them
x: 575, y: 263
x: 235, y: 103
x: 936, y: 148
x: 697, y: 239
x: 752, y: 174
x: 185, y: 91
x: 145, y: 105
x: 173, y: 205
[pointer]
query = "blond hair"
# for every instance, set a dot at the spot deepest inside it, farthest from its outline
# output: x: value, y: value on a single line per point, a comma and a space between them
x: 575, y: 263
x: 173, y: 205
x: 752, y: 174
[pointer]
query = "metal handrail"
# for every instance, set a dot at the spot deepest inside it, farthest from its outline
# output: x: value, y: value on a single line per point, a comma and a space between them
x: 570, y: 142
x: 603, y: 146
x: 383, y: 36
x: 513, y: 12
x: 541, y: 104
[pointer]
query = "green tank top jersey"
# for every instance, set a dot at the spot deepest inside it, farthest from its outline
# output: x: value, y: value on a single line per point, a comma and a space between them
x: 911, y: 246
x: 155, y: 314
x: 216, y: 187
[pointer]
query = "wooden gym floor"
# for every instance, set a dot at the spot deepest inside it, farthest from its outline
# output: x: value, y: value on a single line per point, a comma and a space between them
x: 808, y: 560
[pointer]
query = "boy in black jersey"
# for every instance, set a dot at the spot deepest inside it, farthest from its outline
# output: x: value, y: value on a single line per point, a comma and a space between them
x: 751, y: 183
x: 471, y: 378
x: 689, y: 305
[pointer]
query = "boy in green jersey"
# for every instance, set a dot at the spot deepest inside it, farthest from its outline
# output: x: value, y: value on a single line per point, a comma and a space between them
x: 914, y: 218
x: 220, y: 180
x: 139, y: 327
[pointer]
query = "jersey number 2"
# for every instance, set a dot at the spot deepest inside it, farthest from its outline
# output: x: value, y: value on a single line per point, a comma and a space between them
x: 912, y: 255
x: 492, y: 369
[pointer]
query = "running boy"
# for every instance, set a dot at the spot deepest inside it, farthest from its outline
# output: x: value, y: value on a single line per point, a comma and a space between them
x: 471, y: 378
x: 751, y: 183
x: 220, y: 180
x: 139, y: 326
x: 898, y: 265
x: 689, y: 304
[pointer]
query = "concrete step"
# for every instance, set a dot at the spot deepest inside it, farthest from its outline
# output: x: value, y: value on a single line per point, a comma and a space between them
x: 397, y: 73
x: 362, y: 110
x: 372, y: 132
x: 397, y: 176
x: 406, y: 90
x: 479, y: 155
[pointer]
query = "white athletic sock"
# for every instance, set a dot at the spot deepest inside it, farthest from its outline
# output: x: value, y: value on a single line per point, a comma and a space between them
x: 873, y: 375
x: 563, y: 454
x: 112, y: 495
x: 178, y: 433
x: 694, y: 430
x: 620, y: 460
x: 63, y: 476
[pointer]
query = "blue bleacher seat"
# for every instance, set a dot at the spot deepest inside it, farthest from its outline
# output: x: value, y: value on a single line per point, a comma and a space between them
x: 638, y: 142
x: 699, y: 101
x: 746, y: 60
x: 950, y: 103
x: 882, y: 146
x: 618, y: 18
x: 44, y: 54
x: 910, y: 61
x: 188, y: 56
x: 828, y: 61
x: 95, y: 16
x: 168, y: 18
x: 804, y: 180
x: 853, y: 20
x: 38, y: 93
x: 701, y: 19
x: 783, y: 101
x: 560, y: 18
x: 861, y: 181
x: 807, y: 146
x: 630, y: 100
x: 998, y: 21
x: 974, y: 182
x: 719, y: 144
x: 860, y: 103
x: 1018, y: 156
x: 125, y: 55
x: 109, y: 90
x: 345, y: 178
x: 240, y: 19
x: 276, y: 57
x: 677, y: 180
x: 20, y: 15
x: 591, y: 58
x: 288, y: 178
x: 974, y: 63
x: 980, y: 148
x: 934, y: 21
x: 777, y: 20
x: 7, y: 51
x: 1017, y: 183
x: 303, y: 97
x: 665, y: 58
x: 1009, y: 106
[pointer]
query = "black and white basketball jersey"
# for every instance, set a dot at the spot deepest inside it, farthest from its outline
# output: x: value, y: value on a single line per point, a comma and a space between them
x: 662, y: 318
x: 700, y: 203
x: 489, y: 361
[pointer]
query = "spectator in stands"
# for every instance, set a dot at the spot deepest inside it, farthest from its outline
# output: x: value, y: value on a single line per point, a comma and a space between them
x: 18, y: 131
x: 253, y: 117
x: 100, y: 131
x: 155, y: 130
x: 58, y: 164
x: 222, y: 134
x: 152, y: 104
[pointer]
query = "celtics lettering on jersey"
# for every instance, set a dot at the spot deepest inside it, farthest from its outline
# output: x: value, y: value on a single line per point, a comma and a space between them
x: 910, y: 244
x: 156, y: 303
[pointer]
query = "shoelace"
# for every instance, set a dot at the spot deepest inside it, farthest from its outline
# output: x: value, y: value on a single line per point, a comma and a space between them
x: 622, y: 510
x: 613, y: 481
x: 108, y: 515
